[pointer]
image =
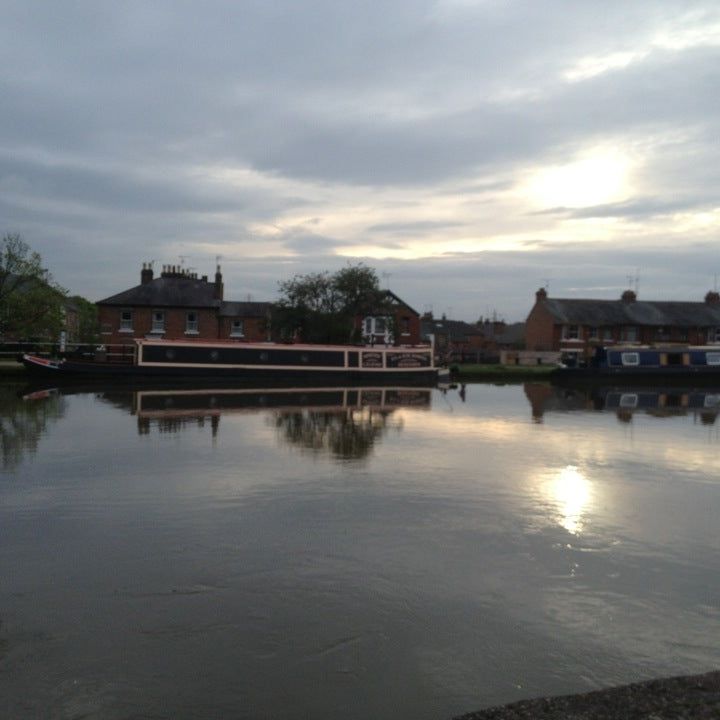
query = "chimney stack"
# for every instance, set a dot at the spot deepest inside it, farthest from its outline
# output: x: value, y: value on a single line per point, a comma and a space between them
x: 713, y: 298
x: 218, y: 284
x: 628, y: 296
x: 540, y: 295
x: 146, y: 274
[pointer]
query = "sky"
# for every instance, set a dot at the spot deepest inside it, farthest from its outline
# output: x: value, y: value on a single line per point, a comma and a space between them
x: 470, y: 151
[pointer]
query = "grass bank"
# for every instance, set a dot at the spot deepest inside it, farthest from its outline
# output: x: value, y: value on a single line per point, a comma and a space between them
x: 500, y: 373
x: 11, y: 368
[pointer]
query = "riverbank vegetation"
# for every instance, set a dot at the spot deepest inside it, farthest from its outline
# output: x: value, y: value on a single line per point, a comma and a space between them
x: 479, y: 372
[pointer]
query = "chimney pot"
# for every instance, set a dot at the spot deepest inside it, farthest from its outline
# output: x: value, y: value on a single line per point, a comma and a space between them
x: 541, y: 294
x: 146, y: 274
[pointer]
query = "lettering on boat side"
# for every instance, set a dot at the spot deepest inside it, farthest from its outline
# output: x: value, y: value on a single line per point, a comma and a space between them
x: 408, y: 360
x: 372, y: 360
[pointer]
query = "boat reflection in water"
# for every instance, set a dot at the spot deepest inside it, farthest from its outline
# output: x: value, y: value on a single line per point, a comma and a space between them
x: 670, y: 401
x: 344, y: 422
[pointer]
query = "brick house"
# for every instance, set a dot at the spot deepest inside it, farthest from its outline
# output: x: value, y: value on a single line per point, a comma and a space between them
x: 578, y: 326
x: 397, y: 323
x: 180, y: 305
x: 454, y: 339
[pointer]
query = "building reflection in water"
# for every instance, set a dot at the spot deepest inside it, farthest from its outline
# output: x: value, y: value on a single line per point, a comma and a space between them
x: 660, y: 402
x: 344, y: 422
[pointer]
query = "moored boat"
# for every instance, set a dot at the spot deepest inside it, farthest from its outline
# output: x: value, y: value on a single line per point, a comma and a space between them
x: 193, y: 360
x: 635, y: 361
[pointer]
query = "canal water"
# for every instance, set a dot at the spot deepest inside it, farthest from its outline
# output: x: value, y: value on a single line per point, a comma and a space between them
x: 404, y: 554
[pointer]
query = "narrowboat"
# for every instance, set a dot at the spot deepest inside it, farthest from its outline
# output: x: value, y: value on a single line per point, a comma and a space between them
x: 175, y: 360
x: 636, y: 361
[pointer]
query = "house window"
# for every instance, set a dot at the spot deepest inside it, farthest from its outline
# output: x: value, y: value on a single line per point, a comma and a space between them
x: 571, y: 332
x: 593, y: 333
x: 405, y: 326
x: 376, y: 325
x: 126, y: 321
x: 237, y: 328
x: 631, y: 358
x: 158, y: 321
x: 631, y: 333
x: 607, y: 333
x: 713, y: 335
x: 191, y: 323
x: 682, y: 334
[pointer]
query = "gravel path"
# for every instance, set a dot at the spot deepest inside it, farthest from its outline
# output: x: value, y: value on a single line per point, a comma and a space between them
x: 692, y: 697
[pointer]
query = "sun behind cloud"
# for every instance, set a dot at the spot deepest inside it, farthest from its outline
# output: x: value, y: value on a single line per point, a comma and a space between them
x: 597, y: 177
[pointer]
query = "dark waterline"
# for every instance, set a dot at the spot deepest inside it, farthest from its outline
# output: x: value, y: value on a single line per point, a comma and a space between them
x: 408, y: 555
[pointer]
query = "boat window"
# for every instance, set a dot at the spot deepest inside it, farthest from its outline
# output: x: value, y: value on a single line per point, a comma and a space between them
x: 630, y: 358
x: 675, y: 358
x: 712, y: 358
x: 628, y: 400
x: 712, y: 401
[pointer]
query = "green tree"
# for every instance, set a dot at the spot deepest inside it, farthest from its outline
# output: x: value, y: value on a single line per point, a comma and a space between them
x: 324, y: 307
x: 31, y: 302
x: 89, y: 330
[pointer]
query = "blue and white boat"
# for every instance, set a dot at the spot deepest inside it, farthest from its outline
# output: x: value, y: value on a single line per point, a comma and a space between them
x: 668, y: 361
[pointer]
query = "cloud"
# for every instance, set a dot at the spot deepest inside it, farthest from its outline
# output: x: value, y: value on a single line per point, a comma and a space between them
x: 291, y: 137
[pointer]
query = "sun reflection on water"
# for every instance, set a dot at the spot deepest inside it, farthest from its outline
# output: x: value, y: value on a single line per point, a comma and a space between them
x: 571, y: 491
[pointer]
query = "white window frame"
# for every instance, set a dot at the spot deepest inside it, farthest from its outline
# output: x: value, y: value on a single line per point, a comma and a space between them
x: 712, y: 358
x: 126, y: 324
x: 629, y: 400
x: 713, y: 335
x: 237, y: 328
x: 158, y: 321
x: 192, y: 326
x: 630, y: 359
x: 377, y: 324
x: 593, y: 332
x: 570, y: 334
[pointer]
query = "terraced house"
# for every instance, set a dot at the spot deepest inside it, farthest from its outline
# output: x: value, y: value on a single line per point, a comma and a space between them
x: 180, y: 305
x: 579, y: 325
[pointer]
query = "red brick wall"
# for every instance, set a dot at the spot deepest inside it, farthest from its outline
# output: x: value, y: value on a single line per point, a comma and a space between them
x: 541, y: 333
x: 175, y: 322
x: 254, y: 329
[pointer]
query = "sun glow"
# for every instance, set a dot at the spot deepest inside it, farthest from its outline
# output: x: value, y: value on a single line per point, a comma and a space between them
x: 570, y: 491
x: 596, y: 178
